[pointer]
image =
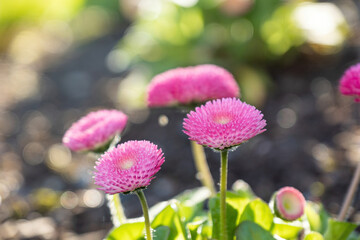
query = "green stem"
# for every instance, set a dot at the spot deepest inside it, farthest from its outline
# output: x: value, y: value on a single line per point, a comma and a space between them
x: 202, y: 167
x: 223, y: 187
x: 144, y: 206
x: 350, y: 194
x: 116, y: 209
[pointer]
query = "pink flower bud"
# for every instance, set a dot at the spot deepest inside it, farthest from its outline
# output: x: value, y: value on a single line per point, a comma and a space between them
x: 289, y: 203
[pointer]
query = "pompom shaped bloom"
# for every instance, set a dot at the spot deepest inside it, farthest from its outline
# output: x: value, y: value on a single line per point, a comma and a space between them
x: 223, y: 123
x: 350, y: 82
x: 94, y: 130
x: 128, y: 167
x: 191, y: 85
x: 289, y: 204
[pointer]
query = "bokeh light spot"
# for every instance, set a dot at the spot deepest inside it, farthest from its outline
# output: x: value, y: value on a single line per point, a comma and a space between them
x: 59, y: 157
x: 242, y: 30
x: 118, y: 61
x: 163, y: 120
x: 69, y: 200
x: 33, y: 153
x: 93, y: 198
x: 286, y: 118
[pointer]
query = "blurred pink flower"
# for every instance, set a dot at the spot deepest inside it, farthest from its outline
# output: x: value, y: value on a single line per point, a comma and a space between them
x: 350, y: 82
x: 191, y: 84
x: 127, y: 167
x: 94, y: 130
x: 289, y: 203
x: 223, y: 123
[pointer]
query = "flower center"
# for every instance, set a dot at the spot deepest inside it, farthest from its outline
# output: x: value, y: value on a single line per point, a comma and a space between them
x: 126, y: 164
x: 291, y: 204
x: 222, y: 119
x: 287, y: 205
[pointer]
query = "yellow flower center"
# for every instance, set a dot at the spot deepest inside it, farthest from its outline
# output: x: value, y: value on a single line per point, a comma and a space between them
x: 221, y: 119
x: 126, y: 164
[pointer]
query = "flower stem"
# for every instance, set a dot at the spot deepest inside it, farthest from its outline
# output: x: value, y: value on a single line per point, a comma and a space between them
x: 202, y: 167
x: 144, y: 206
x: 223, y: 188
x: 350, y: 194
x: 116, y: 209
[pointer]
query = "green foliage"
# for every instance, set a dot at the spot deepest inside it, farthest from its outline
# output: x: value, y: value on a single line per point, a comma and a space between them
x: 314, y: 236
x: 205, y: 33
x: 258, y: 212
x: 286, y: 230
x: 37, y: 10
x: 248, y: 217
x: 248, y: 230
x: 170, y: 217
x: 243, y: 188
x: 191, y: 202
x: 280, y: 32
x: 316, y: 216
x: 338, y: 230
x: 128, y: 231
x: 200, y: 229
x: 235, y: 205
x: 161, y: 233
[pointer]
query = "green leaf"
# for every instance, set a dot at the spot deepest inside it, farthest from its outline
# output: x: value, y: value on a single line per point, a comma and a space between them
x: 194, y: 228
x: 317, y: 216
x: 237, y: 201
x: 171, y: 218
x: 259, y: 212
x: 200, y: 228
x: 191, y: 202
x: 314, y: 236
x: 205, y: 231
x: 128, y: 231
x: 235, y: 205
x: 248, y: 230
x: 194, y: 196
x: 338, y: 230
x: 243, y: 189
x: 231, y: 218
x: 157, y: 208
x: 161, y: 233
x: 287, y: 231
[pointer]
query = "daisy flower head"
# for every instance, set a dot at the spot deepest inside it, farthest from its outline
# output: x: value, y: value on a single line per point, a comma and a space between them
x: 94, y: 130
x: 289, y: 203
x: 128, y: 167
x: 188, y: 85
x: 223, y: 123
x: 350, y: 82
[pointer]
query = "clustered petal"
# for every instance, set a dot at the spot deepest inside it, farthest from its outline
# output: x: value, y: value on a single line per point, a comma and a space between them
x: 94, y: 130
x: 129, y: 166
x: 224, y: 123
x: 191, y: 85
x: 289, y: 203
x: 350, y: 82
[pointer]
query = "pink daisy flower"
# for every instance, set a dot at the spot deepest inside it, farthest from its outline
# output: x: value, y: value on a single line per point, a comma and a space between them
x: 128, y: 167
x: 223, y: 123
x: 191, y: 85
x: 94, y: 130
x: 289, y: 204
x: 350, y: 82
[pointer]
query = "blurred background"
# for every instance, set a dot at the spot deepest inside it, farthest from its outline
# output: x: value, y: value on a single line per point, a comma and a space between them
x: 61, y: 59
